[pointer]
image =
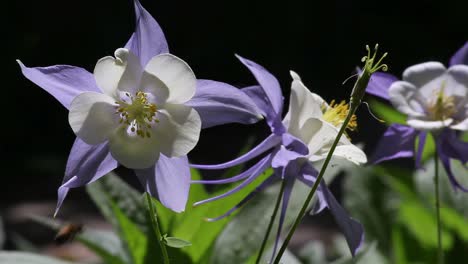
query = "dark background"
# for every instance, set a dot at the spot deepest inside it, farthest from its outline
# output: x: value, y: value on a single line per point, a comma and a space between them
x: 321, y: 40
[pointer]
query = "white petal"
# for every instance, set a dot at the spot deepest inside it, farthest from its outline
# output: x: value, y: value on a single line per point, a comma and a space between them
x: 133, y: 151
x: 428, y: 125
x: 463, y: 125
x: 319, y: 136
x: 303, y: 104
x: 155, y: 88
x: 121, y: 73
x: 351, y: 153
x: 176, y: 75
x: 92, y: 117
x: 421, y: 74
x: 457, y: 81
x: 309, y: 133
x: 178, y: 129
x: 405, y: 98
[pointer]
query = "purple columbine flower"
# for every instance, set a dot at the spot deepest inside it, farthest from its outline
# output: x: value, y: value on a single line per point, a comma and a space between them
x: 296, y: 143
x: 143, y: 109
x: 435, y: 99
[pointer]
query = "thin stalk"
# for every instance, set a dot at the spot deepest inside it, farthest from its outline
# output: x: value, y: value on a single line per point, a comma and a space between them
x: 157, y: 228
x: 316, y: 184
x: 440, y: 253
x: 272, y: 220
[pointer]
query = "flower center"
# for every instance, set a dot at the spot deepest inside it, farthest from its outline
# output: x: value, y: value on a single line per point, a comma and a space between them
x: 442, y: 107
x: 336, y: 114
x: 137, y: 113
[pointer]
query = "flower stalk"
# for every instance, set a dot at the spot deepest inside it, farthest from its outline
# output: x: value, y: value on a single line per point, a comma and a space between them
x: 440, y: 254
x: 156, y: 227
x: 357, y: 94
x: 270, y: 224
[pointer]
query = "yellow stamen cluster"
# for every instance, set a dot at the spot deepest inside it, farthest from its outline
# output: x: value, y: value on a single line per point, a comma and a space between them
x: 443, y: 106
x: 139, y: 114
x: 336, y: 114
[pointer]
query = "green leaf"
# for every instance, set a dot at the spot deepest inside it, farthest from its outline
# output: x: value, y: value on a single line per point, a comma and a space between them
x: 105, y: 244
x: 126, y: 209
x: 422, y: 225
x: 313, y: 253
x: 241, y: 239
x: 387, y: 113
x: 367, y: 255
x: 424, y: 182
x: 453, y: 220
x: 367, y: 199
x: 133, y: 238
x: 176, y: 242
x: 398, y: 245
x: 242, y: 236
x: 111, y: 189
x: 287, y: 258
x: 16, y: 257
x: 464, y: 137
x: 191, y: 225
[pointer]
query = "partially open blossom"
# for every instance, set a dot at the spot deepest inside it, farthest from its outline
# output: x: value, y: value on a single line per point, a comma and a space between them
x: 435, y: 100
x: 142, y: 108
x: 296, y: 144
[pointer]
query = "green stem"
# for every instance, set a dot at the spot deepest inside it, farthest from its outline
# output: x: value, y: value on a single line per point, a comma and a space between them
x: 272, y: 220
x: 301, y: 214
x: 157, y: 228
x: 440, y: 254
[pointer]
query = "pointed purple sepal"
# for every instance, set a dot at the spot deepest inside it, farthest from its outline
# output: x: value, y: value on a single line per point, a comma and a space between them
x: 379, y: 84
x: 64, y: 82
x: 257, y: 94
x: 461, y: 56
x: 397, y: 142
x: 219, y: 103
x: 168, y: 181
x: 268, y: 82
x: 148, y: 40
x: 86, y: 164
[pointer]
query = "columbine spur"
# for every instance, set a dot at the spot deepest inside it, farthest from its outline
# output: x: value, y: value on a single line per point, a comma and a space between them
x: 143, y: 109
x: 296, y: 144
x: 435, y: 100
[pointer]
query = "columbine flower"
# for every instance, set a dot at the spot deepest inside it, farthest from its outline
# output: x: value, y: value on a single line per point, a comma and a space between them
x: 303, y: 138
x: 140, y: 112
x: 435, y: 99
x: 143, y: 109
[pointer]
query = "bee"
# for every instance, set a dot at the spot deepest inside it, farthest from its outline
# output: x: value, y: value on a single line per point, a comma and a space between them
x: 67, y: 232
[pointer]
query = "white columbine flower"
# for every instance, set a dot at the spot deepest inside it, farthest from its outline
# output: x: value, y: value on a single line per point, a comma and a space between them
x: 316, y: 123
x: 141, y: 112
x: 432, y: 96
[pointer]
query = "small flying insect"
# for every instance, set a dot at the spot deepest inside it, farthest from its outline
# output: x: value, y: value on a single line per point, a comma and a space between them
x: 67, y: 233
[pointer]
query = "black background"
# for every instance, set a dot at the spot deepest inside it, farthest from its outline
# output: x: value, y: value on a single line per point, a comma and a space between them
x: 321, y: 40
